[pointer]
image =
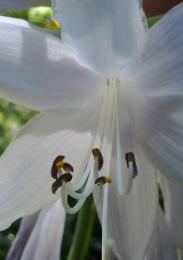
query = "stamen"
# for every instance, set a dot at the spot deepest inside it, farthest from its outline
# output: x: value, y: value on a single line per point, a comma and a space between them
x: 56, y: 172
x: 98, y: 155
x: 130, y: 158
x: 102, y: 180
x: 94, y: 169
x: 54, y: 169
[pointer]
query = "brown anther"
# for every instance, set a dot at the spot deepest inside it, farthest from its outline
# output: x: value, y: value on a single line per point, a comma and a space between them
x: 66, y: 177
x: 54, y: 168
x: 98, y: 155
x: 68, y: 167
x: 130, y: 157
x: 57, y: 184
x: 102, y: 180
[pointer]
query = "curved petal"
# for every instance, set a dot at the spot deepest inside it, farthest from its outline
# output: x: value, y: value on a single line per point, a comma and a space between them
x: 131, y: 218
x: 39, y: 71
x: 45, y: 240
x: 173, y: 194
x: 22, y: 237
x: 158, y: 73
x: 25, y: 179
x: 104, y: 32
x: 12, y: 4
x: 162, y: 246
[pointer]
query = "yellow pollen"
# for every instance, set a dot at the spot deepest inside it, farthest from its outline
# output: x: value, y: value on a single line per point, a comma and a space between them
x: 103, y: 180
x: 60, y: 164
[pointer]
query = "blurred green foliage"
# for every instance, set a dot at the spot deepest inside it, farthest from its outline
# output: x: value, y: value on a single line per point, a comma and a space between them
x: 40, y: 16
x: 12, y: 117
x: 151, y: 21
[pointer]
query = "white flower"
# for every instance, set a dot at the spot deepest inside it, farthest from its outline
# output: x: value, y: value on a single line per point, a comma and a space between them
x: 110, y: 86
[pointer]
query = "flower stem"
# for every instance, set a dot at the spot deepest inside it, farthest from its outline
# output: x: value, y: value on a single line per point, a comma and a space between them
x: 83, y: 231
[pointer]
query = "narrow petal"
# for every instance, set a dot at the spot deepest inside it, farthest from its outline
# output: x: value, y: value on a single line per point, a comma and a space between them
x: 158, y: 74
x: 17, y: 4
x: 39, y: 71
x: 130, y: 218
x: 22, y: 237
x: 45, y: 240
x: 162, y: 246
x: 25, y: 180
x: 173, y: 194
x: 102, y: 31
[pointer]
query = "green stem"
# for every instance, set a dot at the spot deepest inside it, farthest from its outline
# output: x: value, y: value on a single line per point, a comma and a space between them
x: 83, y: 233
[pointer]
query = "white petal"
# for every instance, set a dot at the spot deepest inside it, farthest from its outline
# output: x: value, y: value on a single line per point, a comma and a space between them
x: 158, y: 73
x: 131, y: 218
x: 158, y: 67
x: 17, y: 4
x: 25, y: 180
x: 162, y: 246
x: 22, y: 237
x: 173, y: 194
x: 39, y: 71
x: 45, y: 240
x: 102, y: 31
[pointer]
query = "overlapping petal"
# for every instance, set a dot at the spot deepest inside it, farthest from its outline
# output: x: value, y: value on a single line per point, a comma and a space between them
x: 130, y: 219
x: 39, y: 71
x: 22, y: 237
x: 158, y: 73
x: 162, y: 246
x: 17, y: 4
x: 45, y: 240
x: 25, y: 179
x: 173, y: 194
x: 104, y: 32
x: 40, y: 235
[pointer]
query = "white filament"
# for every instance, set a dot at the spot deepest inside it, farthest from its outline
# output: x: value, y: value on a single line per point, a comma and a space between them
x: 124, y: 183
x: 107, y: 123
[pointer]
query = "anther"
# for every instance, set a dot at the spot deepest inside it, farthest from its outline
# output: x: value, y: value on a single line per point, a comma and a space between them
x: 130, y: 158
x: 68, y: 167
x: 58, y: 174
x: 98, y: 156
x: 57, y: 184
x: 102, y: 180
x: 54, y: 169
x: 66, y: 177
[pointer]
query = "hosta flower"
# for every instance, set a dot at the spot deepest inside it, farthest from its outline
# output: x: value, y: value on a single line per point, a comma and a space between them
x: 110, y: 96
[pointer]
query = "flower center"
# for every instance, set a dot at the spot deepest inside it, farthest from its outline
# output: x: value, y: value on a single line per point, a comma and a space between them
x: 105, y: 148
